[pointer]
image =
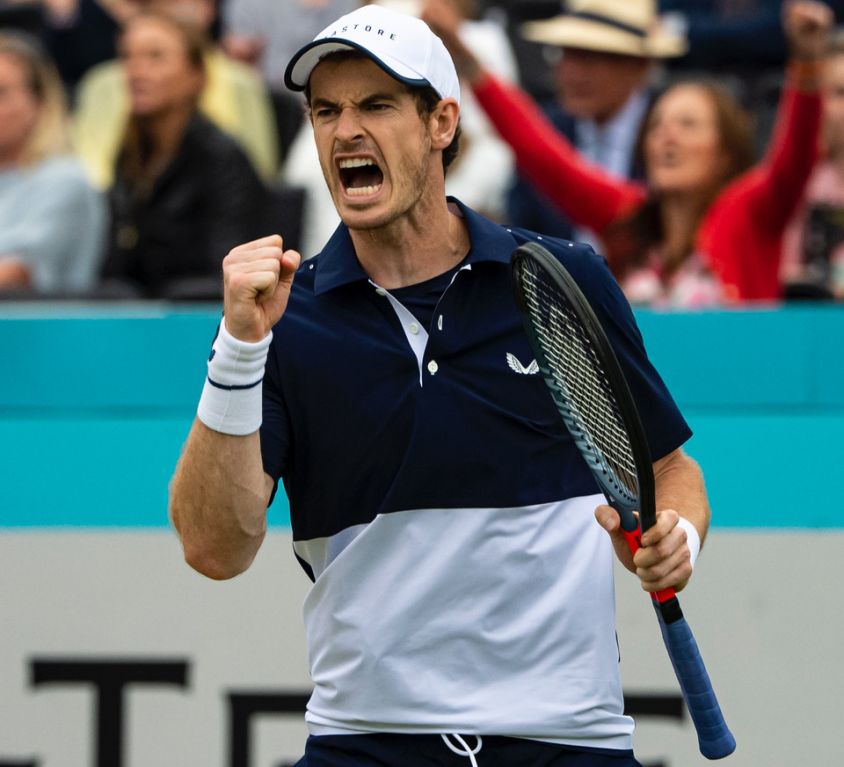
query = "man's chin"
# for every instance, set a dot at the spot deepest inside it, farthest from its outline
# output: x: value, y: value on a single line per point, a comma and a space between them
x: 363, y: 219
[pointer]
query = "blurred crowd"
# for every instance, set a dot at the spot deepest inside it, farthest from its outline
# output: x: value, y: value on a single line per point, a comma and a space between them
x: 698, y: 144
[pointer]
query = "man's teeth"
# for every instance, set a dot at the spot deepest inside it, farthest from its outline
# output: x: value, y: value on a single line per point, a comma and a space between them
x: 362, y: 190
x: 356, y: 162
x: 359, y: 162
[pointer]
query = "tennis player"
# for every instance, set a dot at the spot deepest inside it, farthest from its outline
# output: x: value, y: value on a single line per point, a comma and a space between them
x: 462, y: 608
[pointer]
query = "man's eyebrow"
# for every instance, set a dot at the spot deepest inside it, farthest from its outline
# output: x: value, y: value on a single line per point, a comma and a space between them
x: 378, y: 97
x: 372, y: 98
x: 322, y: 102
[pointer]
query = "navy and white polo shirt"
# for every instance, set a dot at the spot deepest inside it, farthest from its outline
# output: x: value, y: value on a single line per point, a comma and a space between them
x: 461, y: 582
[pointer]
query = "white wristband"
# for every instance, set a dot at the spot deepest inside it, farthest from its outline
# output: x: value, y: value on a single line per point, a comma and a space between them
x: 231, y: 400
x: 692, y: 538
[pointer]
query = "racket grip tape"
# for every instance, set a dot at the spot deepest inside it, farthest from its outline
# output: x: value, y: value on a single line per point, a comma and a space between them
x: 714, y: 737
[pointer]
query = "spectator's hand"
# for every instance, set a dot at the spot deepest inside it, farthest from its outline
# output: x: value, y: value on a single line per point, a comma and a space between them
x: 120, y: 10
x: 14, y: 274
x: 249, y: 50
x: 664, y: 561
x: 61, y: 12
x: 257, y: 278
x: 445, y: 20
x: 807, y: 24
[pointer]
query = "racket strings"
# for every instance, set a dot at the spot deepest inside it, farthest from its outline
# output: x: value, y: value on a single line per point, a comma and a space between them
x: 578, y: 375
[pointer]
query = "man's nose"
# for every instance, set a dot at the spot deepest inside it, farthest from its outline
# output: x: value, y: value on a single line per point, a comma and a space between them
x: 349, y: 125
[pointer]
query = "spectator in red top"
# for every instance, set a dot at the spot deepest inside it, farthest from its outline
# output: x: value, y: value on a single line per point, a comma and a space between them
x: 704, y: 229
x: 603, y: 91
x: 813, y: 258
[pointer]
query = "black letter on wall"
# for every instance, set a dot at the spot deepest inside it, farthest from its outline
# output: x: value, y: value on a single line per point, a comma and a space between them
x: 244, y: 705
x: 109, y: 678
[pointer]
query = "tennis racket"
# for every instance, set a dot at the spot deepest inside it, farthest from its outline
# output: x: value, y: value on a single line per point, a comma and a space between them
x: 591, y: 394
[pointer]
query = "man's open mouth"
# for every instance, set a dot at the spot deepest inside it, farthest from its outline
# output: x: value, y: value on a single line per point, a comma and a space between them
x: 360, y: 176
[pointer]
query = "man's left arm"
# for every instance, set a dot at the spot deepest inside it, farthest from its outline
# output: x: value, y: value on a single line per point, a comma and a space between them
x: 682, y: 521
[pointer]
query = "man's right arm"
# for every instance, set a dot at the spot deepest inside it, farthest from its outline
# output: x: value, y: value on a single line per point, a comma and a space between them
x: 218, y: 501
x: 219, y: 492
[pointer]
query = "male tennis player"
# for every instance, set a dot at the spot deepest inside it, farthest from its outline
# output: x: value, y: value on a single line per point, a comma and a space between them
x: 462, y: 610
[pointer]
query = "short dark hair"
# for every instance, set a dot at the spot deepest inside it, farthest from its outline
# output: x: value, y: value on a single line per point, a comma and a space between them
x: 426, y: 101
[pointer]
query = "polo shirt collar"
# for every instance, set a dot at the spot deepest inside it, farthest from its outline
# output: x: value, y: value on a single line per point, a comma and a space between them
x: 338, y: 265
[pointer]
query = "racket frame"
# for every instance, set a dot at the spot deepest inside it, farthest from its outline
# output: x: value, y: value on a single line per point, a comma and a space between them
x: 714, y: 737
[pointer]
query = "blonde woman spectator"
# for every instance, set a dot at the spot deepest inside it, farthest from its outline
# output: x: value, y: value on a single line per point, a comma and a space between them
x: 51, y: 219
x: 234, y: 98
x: 184, y: 192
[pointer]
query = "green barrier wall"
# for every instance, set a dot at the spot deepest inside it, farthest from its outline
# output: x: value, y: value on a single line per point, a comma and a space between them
x: 96, y: 401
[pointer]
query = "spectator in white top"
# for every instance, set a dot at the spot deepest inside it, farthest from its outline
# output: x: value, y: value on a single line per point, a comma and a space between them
x: 52, y: 221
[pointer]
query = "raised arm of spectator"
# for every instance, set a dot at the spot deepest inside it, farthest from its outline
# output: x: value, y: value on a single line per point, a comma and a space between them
x: 582, y: 191
x: 793, y: 149
x: 13, y: 273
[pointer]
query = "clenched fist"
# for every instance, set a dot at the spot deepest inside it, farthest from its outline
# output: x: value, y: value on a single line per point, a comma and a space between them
x: 806, y: 24
x: 257, y: 278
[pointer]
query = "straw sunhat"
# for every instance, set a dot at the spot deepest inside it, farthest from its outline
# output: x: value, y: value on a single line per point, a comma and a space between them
x: 630, y: 27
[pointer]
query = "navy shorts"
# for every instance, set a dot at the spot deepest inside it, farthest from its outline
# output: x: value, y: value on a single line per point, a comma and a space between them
x: 389, y: 750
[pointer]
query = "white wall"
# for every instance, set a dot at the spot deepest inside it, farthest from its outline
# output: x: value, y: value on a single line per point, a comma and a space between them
x: 766, y: 608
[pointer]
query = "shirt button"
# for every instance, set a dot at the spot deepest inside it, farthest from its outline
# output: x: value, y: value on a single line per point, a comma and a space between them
x: 433, y: 367
x: 381, y: 291
x: 414, y: 328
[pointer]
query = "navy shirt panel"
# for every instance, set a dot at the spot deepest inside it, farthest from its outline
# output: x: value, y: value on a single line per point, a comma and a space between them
x: 353, y: 432
x: 350, y: 404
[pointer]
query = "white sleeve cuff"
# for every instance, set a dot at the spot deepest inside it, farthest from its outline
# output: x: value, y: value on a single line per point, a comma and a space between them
x: 232, y: 398
x: 692, y: 537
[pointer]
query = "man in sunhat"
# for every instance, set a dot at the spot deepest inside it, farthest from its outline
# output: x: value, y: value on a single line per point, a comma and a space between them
x: 607, y: 49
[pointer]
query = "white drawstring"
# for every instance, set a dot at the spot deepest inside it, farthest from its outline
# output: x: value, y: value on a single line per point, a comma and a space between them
x: 469, y: 752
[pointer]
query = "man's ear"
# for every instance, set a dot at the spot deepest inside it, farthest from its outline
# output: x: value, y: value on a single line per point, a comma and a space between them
x: 443, y: 122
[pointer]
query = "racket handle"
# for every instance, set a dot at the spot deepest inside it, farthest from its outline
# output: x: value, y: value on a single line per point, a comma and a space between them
x: 634, y: 542
x: 714, y: 737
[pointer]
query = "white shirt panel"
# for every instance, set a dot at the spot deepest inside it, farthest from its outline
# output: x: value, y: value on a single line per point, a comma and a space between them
x: 490, y: 621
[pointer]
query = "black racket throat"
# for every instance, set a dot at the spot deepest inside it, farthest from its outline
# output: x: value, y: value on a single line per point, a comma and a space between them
x: 585, y: 381
x: 670, y: 609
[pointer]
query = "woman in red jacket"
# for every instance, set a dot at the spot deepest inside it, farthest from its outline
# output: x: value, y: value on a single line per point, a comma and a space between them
x: 706, y: 228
